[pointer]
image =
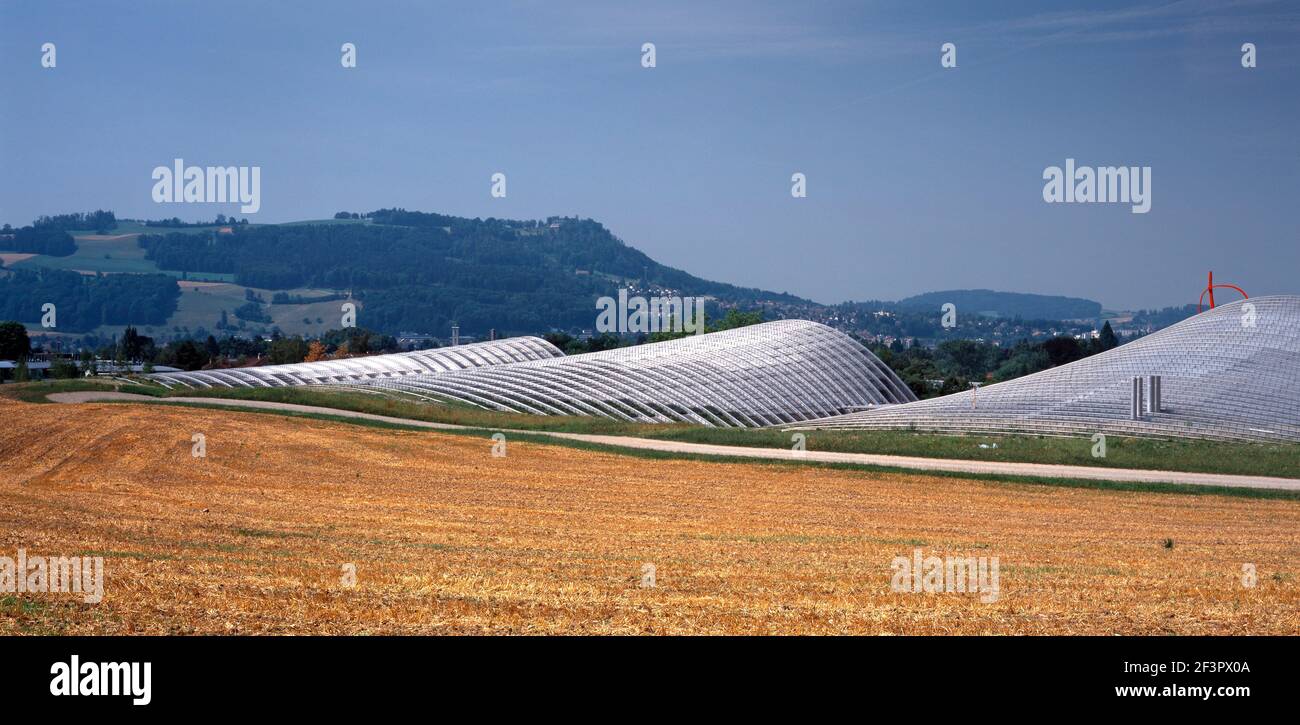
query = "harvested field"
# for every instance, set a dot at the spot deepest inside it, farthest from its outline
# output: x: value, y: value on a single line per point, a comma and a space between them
x: 105, y: 237
x: 447, y: 539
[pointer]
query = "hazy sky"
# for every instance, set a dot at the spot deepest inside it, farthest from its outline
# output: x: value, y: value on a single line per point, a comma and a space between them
x: 919, y: 178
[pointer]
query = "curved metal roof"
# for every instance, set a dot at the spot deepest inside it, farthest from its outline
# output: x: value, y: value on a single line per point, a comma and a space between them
x: 772, y: 373
x: 359, y: 369
x: 1231, y: 373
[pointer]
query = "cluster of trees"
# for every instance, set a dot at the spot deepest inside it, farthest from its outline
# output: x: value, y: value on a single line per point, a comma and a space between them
x: 176, y: 223
x: 252, y: 312
x: 954, y: 364
x: 49, y: 234
x: 427, y: 220
x: 571, y: 345
x: 131, y: 347
x: 195, y: 353
x: 14, y: 342
x: 421, y: 271
x: 927, y: 322
x: 1007, y: 304
x: 101, y: 221
x: 712, y: 323
x: 358, y: 341
x: 16, y: 345
x: 284, y: 298
x: 1164, y: 317
x: 233, y: 351
x: 83, y: 302
x: 38, y: 240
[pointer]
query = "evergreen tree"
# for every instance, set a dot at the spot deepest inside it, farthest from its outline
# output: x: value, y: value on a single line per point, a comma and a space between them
x: 14, y: 343
x: 1107, y: 337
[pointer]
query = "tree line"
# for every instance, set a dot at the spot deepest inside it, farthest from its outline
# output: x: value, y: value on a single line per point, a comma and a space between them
x: 953, y: 365
x: 37, y: 240
x: 100, y: 221
x: 84, y: 302
x: 49, y: 234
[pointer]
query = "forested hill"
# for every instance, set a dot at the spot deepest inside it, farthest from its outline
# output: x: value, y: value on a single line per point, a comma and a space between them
x: 421, y: 271
x: 1007, y: 304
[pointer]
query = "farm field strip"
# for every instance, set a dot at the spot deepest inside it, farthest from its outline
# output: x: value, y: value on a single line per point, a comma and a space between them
x: 446, y: 538
x: 950, y: 465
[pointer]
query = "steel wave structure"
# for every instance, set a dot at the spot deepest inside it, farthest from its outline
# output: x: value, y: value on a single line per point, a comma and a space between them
x: 361, y: 369
x: 1230, y: 373
x: 773, y: 373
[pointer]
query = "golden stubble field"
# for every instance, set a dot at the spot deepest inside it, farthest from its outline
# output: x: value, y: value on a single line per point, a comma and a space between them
x: 447, y: 539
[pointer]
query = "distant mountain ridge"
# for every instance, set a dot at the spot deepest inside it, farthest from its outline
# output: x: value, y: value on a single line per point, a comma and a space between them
x: 1007, y: 304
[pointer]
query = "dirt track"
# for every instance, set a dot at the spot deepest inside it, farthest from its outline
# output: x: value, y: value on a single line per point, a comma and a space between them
x: 446, y: 538
x: 1006, y: 468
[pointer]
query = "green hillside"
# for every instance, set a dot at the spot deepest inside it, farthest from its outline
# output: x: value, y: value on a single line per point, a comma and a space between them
x: 420, y: 271
x: 403, y: 271
x: 1007, y: 304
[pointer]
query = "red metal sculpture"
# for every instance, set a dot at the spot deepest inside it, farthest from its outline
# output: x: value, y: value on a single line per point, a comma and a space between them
x: 1209, y: 289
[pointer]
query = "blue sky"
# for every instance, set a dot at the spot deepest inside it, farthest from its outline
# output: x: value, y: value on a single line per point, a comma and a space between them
x: 919, y: 178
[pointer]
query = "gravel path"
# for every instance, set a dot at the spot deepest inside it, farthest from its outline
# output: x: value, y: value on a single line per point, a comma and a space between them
x: 1035, y: 470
